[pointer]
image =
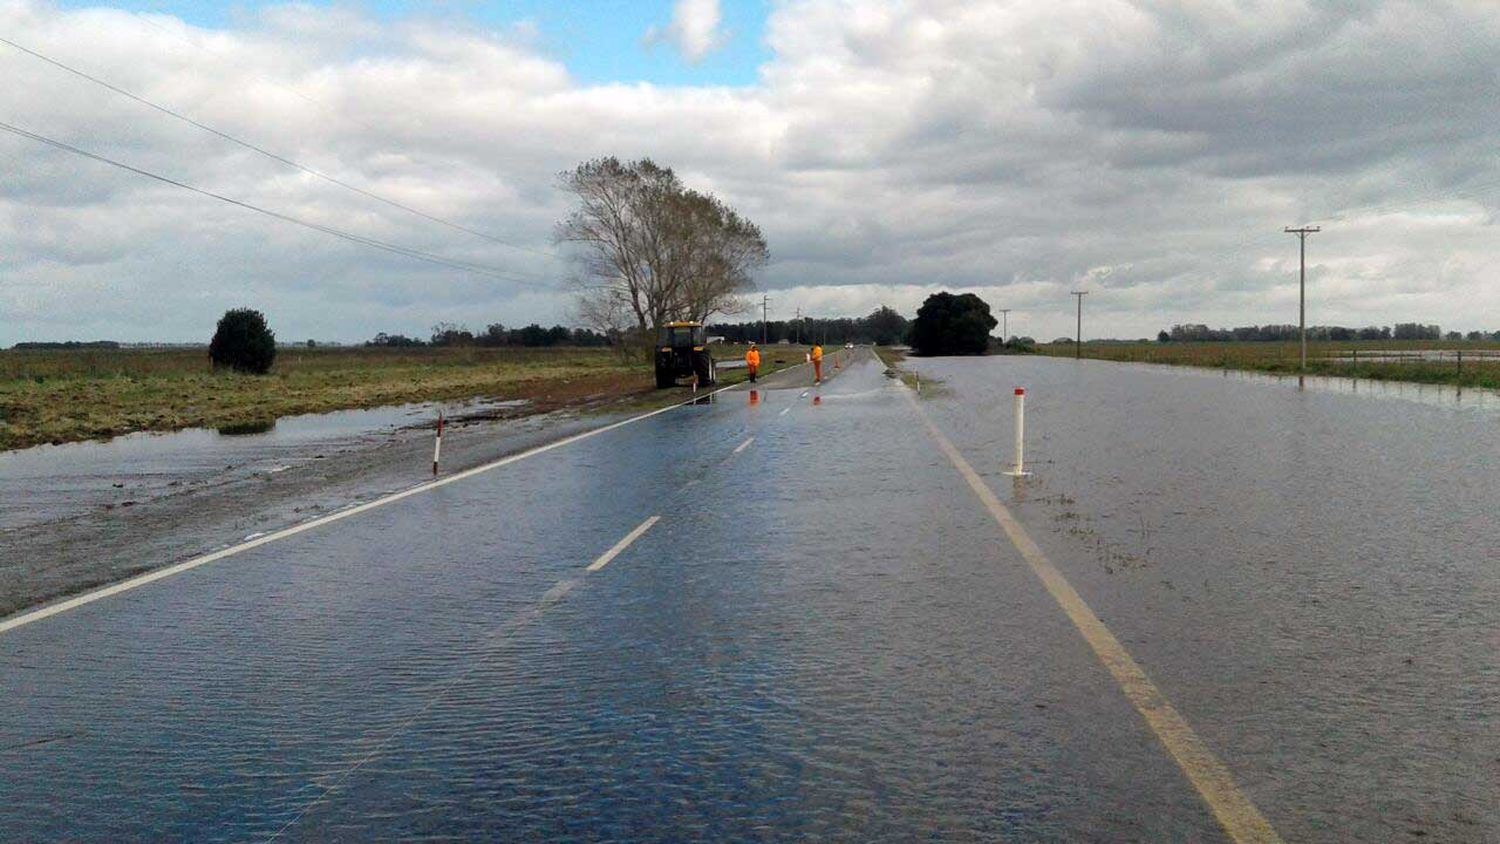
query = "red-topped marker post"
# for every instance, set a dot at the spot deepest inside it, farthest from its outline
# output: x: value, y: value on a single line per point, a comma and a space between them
x: 1019, y: 471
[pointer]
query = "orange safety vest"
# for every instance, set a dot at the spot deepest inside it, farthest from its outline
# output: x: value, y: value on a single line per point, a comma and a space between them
x: 817, y: 353
x: 752, y: 357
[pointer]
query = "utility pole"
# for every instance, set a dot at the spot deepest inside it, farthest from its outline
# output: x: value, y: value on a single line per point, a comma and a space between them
x: 1078, y: 338
x: 1004, y: 324
x: 1302, y: 234
x: 799, y: 327
x: 764, y: 301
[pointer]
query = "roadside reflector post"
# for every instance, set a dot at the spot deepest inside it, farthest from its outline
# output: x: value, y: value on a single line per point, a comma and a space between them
x: 1019, y: 471
x: 437, y: 444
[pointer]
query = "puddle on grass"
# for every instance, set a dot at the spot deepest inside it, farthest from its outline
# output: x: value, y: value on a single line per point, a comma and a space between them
x: 49, y: 482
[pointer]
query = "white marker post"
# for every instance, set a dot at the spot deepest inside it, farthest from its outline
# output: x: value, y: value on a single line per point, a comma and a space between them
x: 1020, y: 468
x: 437, y: 445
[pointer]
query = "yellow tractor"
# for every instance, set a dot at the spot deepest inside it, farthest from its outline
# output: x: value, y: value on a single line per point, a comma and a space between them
x: 682, y: 352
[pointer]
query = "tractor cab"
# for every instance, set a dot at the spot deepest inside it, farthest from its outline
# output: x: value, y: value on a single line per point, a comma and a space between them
x: 682, y: 352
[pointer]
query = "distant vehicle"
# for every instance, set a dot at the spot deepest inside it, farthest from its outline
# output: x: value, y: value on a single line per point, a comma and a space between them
x: 848, y: 345
x: 682, y: 352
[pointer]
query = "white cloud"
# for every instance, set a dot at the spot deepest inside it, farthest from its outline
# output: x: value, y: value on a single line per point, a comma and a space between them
x: 1151, y: 153
x: 694, y: 30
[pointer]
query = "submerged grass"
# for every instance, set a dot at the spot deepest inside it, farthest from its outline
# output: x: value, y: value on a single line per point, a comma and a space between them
x: 1323, y: 358
x: 927, y: 388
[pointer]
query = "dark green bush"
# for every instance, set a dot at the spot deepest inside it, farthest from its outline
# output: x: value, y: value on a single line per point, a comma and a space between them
x: 952, y: 325
x: 243, y: 342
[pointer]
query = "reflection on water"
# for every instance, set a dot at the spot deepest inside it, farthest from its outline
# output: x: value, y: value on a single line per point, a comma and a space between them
x: 242, y: 429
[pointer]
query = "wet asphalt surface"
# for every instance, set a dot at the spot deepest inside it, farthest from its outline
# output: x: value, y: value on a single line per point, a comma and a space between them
x: 824, y: 635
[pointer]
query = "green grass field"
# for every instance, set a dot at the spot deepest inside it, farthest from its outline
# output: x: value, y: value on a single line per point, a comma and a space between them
x: 69, y: 395
x: 1322, y: 358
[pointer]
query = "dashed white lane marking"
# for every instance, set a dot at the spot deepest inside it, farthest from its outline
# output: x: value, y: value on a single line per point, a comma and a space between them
x: 1213, y: 781
x: 744, y: 445
x: 344, y: 513
x: 623, y: 544
x: 783, y: 411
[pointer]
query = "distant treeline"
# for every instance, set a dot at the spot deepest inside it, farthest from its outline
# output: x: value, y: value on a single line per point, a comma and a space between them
x: 448, y: 334
x: 70, y: 344
x: 1282, y: 333
x: 883, y: 327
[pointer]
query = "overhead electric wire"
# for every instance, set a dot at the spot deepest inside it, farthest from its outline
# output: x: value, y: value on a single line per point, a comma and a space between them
x: 269, y: 154
x: 339, y: 233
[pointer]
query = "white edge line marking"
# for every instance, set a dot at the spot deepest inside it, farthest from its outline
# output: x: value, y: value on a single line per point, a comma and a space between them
x: 620, y: 546
x: 343, y: 513
x: 744, y: 445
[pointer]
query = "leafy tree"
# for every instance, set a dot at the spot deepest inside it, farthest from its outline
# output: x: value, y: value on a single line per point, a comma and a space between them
x: 243, y: 342
x: 952, y: 325
x: 886, y: 326
x: 1416, y: 331
x: 1163, y: 337
x: 448, y: 334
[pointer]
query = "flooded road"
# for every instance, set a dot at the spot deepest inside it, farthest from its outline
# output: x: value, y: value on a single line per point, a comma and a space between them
x: 786, y: 615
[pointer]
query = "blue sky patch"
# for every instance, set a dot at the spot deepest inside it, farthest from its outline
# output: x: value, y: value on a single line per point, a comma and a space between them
x: 600, y: 41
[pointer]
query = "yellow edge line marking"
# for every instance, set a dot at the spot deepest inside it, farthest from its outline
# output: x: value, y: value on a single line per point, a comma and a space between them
x: 620, y: 546
x: 744, y: 445
x: 188, y: 565
x: 1239, y: 817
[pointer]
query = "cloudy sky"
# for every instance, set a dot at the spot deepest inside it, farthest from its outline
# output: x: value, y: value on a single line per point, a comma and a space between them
x: 1148, y: 152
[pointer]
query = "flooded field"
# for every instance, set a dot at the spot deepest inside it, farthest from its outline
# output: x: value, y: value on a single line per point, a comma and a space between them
x: 49, y: 482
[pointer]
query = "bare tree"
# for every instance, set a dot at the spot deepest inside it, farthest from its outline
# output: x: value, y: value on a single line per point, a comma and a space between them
x: 651, y: 248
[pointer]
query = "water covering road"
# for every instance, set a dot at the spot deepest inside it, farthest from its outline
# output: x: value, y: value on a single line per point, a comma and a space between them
x: 824, y: 633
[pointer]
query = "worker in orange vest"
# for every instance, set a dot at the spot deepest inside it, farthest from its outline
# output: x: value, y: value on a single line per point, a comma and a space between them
x: 752, y: 361
x: 817, y: 362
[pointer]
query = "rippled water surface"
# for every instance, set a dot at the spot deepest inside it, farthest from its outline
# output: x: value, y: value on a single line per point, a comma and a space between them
x: 823, y: 636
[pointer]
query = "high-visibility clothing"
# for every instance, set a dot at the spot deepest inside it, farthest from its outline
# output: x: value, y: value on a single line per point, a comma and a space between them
x: 752, y: 357
x: 817, y: 353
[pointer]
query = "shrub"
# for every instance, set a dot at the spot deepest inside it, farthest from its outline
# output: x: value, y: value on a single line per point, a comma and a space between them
x: 952, y: 325
x: 243, y: 342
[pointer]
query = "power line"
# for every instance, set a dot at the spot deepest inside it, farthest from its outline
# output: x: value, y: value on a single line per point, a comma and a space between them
x: 339, y: 233
x: 271, y: 155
